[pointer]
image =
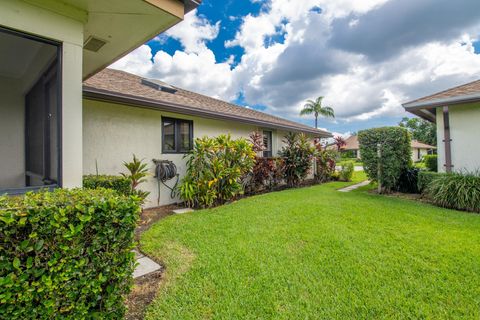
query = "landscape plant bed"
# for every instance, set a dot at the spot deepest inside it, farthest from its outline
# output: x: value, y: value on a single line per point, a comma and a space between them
x: 317, y: 251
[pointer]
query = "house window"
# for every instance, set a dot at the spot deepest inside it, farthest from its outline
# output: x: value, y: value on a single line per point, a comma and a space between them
x: 267, y: 144
x: 30, y: 113
x: 419, y: 155
x: 177, y: 135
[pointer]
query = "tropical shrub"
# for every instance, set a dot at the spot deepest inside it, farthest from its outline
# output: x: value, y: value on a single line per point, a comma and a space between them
x: 137, y: 173
x: 267, y: 172
x: 325, y: 162
x: 431, y: 163
x: 408, y: 181
x: 297, y: 154
x: 215, y: 168
x: 396, y: 154
x: 346, y: 171
x: 118, y: 183
x: 66, y: 254
x: 459, y: 191
x: 425, y: 178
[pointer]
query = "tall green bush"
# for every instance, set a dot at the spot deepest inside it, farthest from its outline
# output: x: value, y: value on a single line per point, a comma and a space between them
x: 431, y: 162
x: 456, y: 191
x: 215, y: 168
x: 297, y: 154
x: 117, y: 183
x: 66, y: 254
x: 396, y: 153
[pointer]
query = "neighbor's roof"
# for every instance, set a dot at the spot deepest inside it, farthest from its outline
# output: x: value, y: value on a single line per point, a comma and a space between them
x: 126, y: 88
x: 425, y: 107
x: 420, y: 145
x: 352, y: 144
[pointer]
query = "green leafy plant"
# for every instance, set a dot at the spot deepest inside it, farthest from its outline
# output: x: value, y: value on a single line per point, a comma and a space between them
x: 431, y: 162
x: 118, y: 183
x: 425, y: 178
x: 459, y: 191
x: 137, y: 173
x: 66, y: 254
x: 395, y: 150
x: 346, y: 171
x: 215, y: 168
x: 297, y: 154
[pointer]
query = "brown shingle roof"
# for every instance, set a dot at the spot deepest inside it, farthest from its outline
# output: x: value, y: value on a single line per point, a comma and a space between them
x: 420, y: 145
x: 463, y: 92
x: 120, y: 86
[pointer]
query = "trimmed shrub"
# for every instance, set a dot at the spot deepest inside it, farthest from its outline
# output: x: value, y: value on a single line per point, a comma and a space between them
x: 346, y: 171
x: 117, y: 183
x: 66, y: 254
x: 408, y: 181
x: 425, y: 178
x: 459, y: 191
x: 396, y: 153
x: 215, y: 168
x: 431, y: 162
x: 298, y: 154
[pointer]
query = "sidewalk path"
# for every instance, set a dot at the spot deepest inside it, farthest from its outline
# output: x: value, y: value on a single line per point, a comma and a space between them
x: 355, y: 186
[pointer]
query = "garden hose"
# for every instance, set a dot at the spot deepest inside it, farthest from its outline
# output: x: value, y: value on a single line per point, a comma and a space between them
x: 165, y: 170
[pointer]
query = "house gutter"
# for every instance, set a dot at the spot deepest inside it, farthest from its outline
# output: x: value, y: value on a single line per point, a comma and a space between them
x: 134, y: 101
x: 409, y: 106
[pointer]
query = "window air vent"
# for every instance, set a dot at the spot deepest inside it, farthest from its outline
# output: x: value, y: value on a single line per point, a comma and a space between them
x: 159, y: 85
x: 93, y: 44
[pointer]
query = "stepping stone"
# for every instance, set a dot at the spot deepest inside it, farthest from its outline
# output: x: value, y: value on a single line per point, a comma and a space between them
x: 138, y: 254
x: 145, y: 266
x: 183, y: 210
x: 355, y: 186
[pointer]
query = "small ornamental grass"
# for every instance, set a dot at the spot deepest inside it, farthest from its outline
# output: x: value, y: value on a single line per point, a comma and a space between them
x: 66, y: 254
x: 456, y: 191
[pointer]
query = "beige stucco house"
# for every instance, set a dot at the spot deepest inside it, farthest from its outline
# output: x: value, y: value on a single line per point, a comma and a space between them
x: 456, y: 112
x: 61, y: 116
x: 419, y: 149
x: 48, y: 47
x: 124, y: 114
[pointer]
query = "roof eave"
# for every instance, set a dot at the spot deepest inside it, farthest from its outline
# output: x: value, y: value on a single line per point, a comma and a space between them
x: 104, y: 95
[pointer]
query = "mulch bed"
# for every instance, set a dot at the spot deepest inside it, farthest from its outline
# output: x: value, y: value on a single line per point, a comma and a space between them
x: 145, y: 288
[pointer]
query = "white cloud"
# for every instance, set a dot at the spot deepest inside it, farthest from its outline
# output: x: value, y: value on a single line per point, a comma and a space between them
x: 283, y: 75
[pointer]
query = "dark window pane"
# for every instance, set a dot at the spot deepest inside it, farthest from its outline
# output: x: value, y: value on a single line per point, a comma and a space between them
x: 169, y: 136
x: 184, y: 130
x: 267, y: 143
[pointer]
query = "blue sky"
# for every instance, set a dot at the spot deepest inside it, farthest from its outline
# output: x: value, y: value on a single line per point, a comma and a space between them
x: 363, y: 56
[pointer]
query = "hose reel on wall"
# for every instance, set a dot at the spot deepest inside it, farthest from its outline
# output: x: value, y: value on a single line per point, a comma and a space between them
x: 165, y: 170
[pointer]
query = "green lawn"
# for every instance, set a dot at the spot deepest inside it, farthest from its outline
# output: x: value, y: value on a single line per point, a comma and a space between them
x: 316, y: 253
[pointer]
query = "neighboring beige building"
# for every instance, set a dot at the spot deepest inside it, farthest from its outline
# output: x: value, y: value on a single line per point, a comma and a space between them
x: 124, y: 114
x: 47, y: 49
x: 456, y: 112
x: 419, y: 149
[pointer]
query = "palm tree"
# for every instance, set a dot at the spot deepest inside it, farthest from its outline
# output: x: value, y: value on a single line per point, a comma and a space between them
x: 316, y: 108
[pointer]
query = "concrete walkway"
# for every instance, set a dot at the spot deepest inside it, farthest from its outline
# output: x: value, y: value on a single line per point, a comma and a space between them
x: 145, y: 265
x: 355, y: 186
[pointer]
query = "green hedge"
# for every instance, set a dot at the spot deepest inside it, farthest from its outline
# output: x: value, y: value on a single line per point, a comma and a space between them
x: 459, y: 191
x: 425, y: 178
x: 118, y: 183
x: 431, y: 162
x: 66, y: 254
x: 396, y: 153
